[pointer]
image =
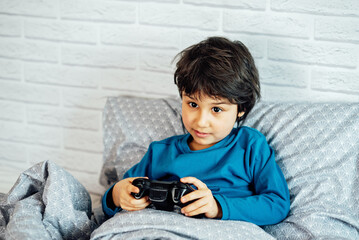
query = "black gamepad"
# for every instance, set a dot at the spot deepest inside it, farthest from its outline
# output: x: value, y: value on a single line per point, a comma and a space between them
x: 163, y: 195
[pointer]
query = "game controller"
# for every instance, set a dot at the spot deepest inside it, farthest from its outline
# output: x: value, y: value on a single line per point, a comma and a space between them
x: 163, y: 195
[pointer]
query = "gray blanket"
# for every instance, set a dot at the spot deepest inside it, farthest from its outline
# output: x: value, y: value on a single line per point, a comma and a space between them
x: 48, y: 203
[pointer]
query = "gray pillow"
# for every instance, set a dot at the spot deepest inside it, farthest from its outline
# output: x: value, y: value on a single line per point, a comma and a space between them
x: 130, y: 124
x: 317, y: 147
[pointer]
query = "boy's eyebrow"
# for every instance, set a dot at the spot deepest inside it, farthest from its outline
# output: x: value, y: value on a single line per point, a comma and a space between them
x: 222, y: 103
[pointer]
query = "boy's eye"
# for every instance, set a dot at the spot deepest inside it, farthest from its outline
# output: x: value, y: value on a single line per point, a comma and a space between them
x: 193, y: 105
x: 216, y: 109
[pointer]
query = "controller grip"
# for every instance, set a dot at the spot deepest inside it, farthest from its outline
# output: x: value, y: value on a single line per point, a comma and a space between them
x: 142, y: 184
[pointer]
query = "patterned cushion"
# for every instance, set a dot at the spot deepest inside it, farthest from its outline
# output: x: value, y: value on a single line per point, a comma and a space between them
x: 317, y: 147
x: 130, y: 124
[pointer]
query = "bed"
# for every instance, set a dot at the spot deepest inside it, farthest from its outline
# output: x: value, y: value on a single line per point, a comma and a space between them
x: 316, y: 146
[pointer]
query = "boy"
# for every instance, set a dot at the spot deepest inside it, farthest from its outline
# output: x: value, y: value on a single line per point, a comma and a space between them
x: 233, y: 169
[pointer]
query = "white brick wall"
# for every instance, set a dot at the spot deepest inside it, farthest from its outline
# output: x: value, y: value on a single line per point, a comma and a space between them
x: 60, y: 59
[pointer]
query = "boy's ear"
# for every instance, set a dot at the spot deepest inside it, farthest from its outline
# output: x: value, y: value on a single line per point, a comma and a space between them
x: 240, y: 114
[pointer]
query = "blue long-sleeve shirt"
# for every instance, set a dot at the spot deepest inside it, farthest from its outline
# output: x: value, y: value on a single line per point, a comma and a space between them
x: 240, y: 170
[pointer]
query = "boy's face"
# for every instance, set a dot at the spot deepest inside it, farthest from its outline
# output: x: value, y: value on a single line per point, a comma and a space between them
x: 208, y: 119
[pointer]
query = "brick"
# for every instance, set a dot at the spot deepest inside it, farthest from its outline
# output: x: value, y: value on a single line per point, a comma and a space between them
x: 51, y: 116
x: 139, y: 36
x: 179, y: 16
x: 12, y: 154
x: 144, y: 83
x: 62, y: 75
x: 83, y: 140
x: 266, y: 23
x: 284, y: 74
x: 99, y: 57
x: 12, y: 111
x: 337, y: 29
x: 162, y: 1
x: 110, y: 11
x: 38, y: 135
x: 125, y: 80
x: 9, y: 174
x: 273, y: 93
x: 38, y: 8
x: 10, y: 69
x: 334, y: 7
x: 157, y: 61
x: 255, y: 4
x: 87, y: 99
x: 10, y: 26
x: 337, y: 81
x: 158, y: 83
x: 75, y: 160
x: 313, y: 53
x: 61, y: 31
x: 29, y: 93
x: 290, y: 94
x: 327, y: 96
x: 29, y: 50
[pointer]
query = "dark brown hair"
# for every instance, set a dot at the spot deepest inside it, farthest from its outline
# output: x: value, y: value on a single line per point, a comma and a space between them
x: 219, y: 67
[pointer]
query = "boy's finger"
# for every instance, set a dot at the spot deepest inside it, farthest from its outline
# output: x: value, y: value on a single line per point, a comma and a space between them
x: 195, y: 212
x: 195, y: 181
x: 193, y: 206
x: 195, y: 195
x: 140, y: 201
x: 136, y: 207
x: 133, y: 189
x: 201, y: 210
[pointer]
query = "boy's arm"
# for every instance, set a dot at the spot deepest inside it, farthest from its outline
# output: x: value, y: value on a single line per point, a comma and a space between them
x: 119, y: 197
x: 140, y: 169
x: 108, y: 206
x: 271, y: 201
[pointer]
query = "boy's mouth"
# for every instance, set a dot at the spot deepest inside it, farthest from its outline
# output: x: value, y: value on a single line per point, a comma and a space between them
x: 201, y: 134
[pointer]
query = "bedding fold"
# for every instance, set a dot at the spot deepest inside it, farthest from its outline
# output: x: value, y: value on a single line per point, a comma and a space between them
x: 46, y: 202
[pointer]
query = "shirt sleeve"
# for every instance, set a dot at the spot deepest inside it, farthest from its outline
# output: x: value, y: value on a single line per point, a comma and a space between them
x: 271, y: 202
x: 108, y: 206
x: 141, y: 169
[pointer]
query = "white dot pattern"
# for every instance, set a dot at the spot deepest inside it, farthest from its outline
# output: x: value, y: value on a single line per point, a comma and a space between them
x: 317, y: 147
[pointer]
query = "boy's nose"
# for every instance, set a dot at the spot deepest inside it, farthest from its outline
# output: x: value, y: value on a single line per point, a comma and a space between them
x: 202, y: 120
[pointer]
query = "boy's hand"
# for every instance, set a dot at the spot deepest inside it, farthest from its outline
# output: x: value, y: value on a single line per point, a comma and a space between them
x: 204, y: 202
x: 121, y: 195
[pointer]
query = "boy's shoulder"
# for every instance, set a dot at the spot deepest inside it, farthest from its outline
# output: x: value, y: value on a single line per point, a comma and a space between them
x: 251, y: 132
x: 253, y: 138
